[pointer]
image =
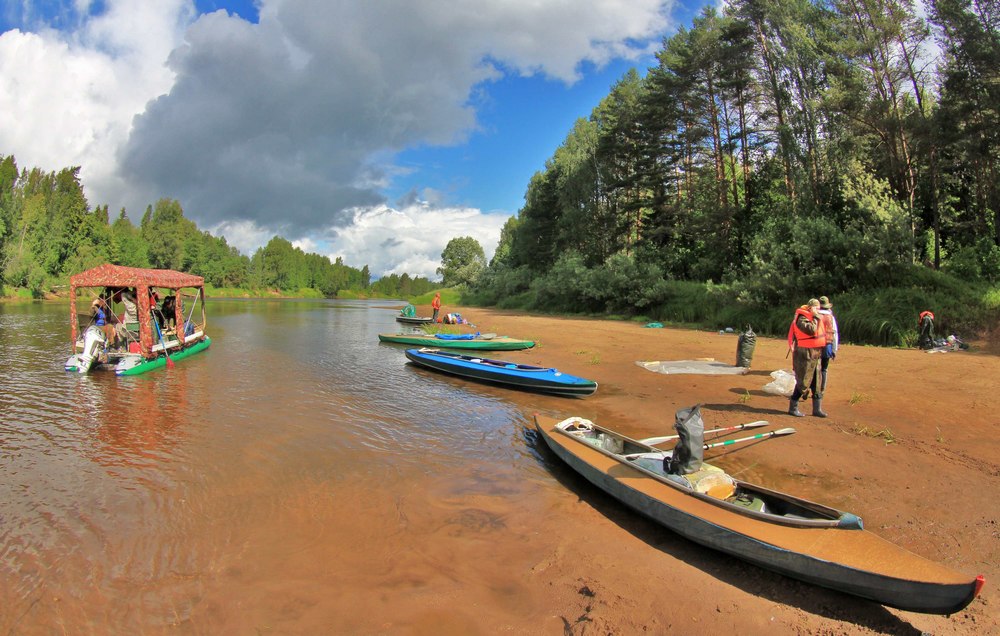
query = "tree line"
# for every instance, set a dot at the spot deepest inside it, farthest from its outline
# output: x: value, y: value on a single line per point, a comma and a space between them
x: 48, y: 231
x: 779, y: 150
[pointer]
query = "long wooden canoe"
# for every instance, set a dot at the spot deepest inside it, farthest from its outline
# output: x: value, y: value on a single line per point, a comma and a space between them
x: 796, y: 537
x: 509, y: 374
x: 478, y: 343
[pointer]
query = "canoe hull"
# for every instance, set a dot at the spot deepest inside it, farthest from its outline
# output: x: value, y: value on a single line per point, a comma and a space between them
x: 500, y: 343
x: 937, y: 594
x: 525, y: 377
x: 413, y: 320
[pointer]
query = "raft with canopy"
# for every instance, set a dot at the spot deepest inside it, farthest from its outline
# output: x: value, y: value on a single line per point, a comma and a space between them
x: 161, y: 319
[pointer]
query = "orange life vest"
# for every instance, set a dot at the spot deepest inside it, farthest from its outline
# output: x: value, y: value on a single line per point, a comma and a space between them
x: 923, y: 314
x: 798, y: 338
x: 827, y: 320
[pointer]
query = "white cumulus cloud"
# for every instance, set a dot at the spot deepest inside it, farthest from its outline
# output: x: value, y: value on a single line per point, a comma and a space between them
x: 288, y: 126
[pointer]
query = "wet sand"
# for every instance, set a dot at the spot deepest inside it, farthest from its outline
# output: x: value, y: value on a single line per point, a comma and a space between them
x: 910, y: 445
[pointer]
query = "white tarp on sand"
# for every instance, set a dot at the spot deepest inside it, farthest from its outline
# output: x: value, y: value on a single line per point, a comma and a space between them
x: 706, y: 366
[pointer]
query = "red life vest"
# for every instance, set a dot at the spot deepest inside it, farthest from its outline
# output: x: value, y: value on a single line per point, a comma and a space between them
x: 799, y: 338
x: 924, y: 313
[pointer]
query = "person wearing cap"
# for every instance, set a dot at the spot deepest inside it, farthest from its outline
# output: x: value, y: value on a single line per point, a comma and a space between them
x: 832, y: 338
x: 807, y: 340
x: 99, y: 307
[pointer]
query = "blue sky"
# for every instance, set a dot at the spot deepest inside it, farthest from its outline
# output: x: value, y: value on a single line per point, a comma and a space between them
x: 374, y: 131
x: 523, y: 121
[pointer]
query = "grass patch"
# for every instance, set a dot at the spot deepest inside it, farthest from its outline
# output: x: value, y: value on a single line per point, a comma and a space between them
x: 743, y: 399
x: 449, y: 296
x: 859, y: 398
x: 884, y: 434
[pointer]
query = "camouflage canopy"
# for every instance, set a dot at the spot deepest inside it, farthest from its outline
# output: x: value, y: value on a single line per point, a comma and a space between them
x: 109, y: 275
x: 115, y: 278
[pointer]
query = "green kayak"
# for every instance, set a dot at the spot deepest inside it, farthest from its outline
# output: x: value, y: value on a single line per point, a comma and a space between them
x: 488, y: 342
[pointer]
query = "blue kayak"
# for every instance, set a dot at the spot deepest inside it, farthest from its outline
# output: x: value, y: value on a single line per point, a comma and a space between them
x: 521, y: 376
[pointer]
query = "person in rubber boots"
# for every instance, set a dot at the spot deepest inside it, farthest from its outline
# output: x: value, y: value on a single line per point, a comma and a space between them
x: 832, y: 339
x: 807, y: 340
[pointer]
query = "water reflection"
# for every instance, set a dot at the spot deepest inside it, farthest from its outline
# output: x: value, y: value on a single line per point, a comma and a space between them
x: 295, y: 470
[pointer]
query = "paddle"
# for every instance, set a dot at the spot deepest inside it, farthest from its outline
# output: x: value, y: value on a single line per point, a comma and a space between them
x: 653, y: 441
x: 170, y: 363
x: 783, y: 431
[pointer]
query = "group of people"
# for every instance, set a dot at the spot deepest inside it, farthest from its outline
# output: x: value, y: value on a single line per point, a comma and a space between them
x: 813, y: 339
x: 116, y: 327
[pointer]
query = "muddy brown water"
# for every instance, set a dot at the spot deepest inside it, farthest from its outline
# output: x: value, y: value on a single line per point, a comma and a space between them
x: 299, y: 476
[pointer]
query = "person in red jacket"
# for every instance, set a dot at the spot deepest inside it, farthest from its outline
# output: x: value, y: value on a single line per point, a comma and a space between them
x: 925, y: 322
x: 807, y: 340
x: 436, y: 306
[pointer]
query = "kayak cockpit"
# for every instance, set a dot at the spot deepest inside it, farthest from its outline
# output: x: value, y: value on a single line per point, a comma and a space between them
x: 709, y: 483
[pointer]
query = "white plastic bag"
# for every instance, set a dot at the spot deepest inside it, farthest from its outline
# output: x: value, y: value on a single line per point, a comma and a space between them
x: 782, y: 383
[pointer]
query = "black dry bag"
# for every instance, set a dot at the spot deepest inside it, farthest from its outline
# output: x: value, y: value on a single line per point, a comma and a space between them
x: 745, y: 347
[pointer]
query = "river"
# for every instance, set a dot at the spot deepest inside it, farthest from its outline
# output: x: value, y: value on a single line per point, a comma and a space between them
x: 297, y: 477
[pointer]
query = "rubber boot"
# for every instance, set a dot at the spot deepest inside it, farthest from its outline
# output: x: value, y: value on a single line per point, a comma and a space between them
x: 793, y: 408
x: 818, y: 407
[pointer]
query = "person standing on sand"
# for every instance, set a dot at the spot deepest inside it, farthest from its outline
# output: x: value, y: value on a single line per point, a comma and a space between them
x: 807, y: 340
x: 436, y: 306
x: 832, y: 338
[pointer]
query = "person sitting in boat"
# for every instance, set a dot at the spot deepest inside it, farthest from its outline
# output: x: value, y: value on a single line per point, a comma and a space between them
x: 130, y: 315
x: 154, y: 299
x: 168, y: 311
x: 102, y: 319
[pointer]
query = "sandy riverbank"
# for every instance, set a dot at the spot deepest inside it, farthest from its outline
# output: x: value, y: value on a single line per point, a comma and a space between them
x: 910, y: 445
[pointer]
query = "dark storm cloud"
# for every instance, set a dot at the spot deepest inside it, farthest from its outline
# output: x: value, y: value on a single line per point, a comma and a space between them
x: 283, y: 123
x: 276, y: 123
